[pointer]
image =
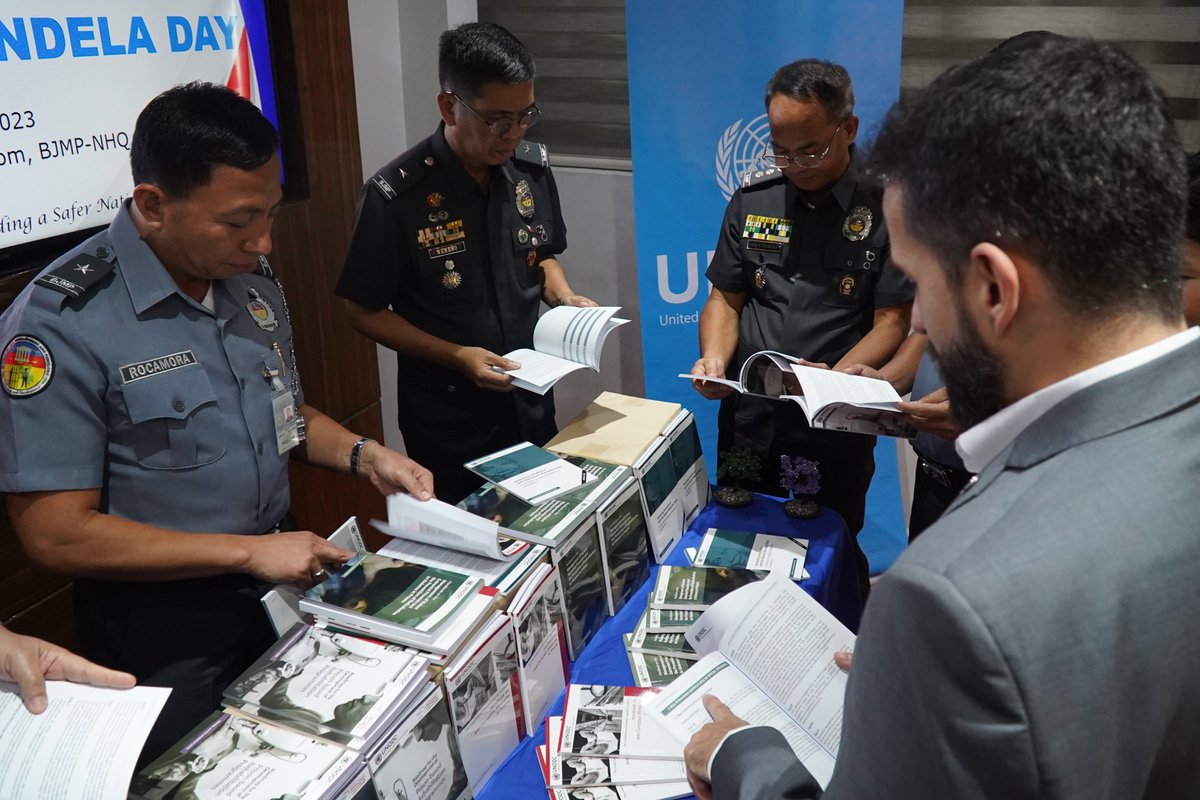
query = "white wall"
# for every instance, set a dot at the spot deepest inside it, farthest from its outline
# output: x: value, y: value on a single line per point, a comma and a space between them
x: 394, y: 51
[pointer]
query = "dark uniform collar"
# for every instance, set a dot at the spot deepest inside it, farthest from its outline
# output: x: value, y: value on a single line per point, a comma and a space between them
x: 460, y: 180
x: 146, y: 279
x: 842, y: 191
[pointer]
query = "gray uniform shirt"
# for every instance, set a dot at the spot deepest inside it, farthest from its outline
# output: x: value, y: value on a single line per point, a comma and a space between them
x: 150, y: 396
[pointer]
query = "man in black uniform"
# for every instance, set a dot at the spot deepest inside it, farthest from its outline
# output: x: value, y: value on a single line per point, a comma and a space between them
x: 454, y: 248
x: 801, y: 266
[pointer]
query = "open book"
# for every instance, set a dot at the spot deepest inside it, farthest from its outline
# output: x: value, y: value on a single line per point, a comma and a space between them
x: 565, y: 339
x: 85, y: 744
x: 767, y: 652
x: 441, y: 524
x: 830, y: 400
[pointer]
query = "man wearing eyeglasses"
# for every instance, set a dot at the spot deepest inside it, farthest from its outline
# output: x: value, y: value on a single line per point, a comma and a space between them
x: 801, y: 266
x: 454, y: 249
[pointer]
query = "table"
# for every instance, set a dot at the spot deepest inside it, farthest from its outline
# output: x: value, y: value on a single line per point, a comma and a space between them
x: 833, y: 583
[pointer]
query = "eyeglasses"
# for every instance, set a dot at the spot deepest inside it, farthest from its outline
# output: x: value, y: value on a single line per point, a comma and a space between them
x: 502, y: 124
x: 804, y: 160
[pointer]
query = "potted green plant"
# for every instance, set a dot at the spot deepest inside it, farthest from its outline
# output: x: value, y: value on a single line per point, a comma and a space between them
x: 801, y: 478
x: 738, y: 467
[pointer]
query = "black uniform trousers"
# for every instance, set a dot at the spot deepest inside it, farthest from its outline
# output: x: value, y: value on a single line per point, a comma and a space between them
x: 846, y: 461
x: 195, y: 636
x: 934, y: 489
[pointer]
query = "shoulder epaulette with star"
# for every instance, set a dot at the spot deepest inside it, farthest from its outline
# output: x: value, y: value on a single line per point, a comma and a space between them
x: 76, y: 276
x: 756, y: 176
x: 532, y: 153
x: 401, y: 173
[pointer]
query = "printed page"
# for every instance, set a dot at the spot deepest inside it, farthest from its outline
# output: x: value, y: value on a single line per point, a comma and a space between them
x: 576, y: 334
x: 441, y: 524
x: 539, y: 371
x: 822, y: 387
x: 85, y: 744
x: 856, y: 419
x: 682, y: 709
x: 784, y: 640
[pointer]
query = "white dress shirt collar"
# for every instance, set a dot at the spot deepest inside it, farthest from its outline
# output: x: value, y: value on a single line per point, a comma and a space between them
x: 982, y: 443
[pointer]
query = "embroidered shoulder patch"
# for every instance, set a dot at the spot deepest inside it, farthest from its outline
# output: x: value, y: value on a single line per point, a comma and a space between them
x: 26, y: 367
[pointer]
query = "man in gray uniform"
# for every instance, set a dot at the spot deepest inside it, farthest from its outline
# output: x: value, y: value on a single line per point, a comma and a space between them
x: 801, y: 266
x: 1038, y: 641
x: 455, y: 247
x: 150, y: 404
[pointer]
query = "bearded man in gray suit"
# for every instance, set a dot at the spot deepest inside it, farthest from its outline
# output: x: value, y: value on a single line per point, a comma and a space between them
x: 1041, y: 639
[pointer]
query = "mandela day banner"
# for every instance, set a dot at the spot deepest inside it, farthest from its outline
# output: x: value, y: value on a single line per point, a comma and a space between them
x: 74, y: 74
x: 697, y: 69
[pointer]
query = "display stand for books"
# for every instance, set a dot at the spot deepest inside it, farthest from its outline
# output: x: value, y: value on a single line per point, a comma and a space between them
x: 603, y: 661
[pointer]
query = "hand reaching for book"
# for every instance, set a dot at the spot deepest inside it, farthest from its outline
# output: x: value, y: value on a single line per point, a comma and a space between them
x: 31, y: 662
x: 699, y: 751
x: 297, y: 557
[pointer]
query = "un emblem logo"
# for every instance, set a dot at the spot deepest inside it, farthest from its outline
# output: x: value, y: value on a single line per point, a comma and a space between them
x: 738, y: 152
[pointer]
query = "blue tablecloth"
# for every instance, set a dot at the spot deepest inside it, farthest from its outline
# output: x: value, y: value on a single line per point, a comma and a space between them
x: 603, y: 661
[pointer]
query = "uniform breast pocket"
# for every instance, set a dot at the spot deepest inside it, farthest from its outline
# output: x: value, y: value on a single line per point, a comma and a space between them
x: 849, y: 273
x: 175, y: 420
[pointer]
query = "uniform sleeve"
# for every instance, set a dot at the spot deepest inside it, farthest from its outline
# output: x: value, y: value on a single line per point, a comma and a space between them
x: 893, y: 288
x: 371, y: 273
x: 54, y: 438
x: 725, y: 270
x: 560, y: 225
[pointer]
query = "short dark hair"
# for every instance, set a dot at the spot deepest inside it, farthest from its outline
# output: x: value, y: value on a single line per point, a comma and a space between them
x: 1059, y: 149
x: 1193, y: 208
x: 191, y: 128
x: 476, y: 53
x: 813, y: 79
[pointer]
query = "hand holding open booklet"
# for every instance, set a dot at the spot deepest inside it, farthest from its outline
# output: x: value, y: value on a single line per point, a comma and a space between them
x: 566, y: 338
x: 830, y: 400
x: 767, y: 653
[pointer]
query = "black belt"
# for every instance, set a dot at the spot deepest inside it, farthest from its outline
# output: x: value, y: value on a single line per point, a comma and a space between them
x: 948, y: 476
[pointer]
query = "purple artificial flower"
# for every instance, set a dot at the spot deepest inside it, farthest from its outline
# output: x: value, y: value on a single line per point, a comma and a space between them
x: 799, y: 475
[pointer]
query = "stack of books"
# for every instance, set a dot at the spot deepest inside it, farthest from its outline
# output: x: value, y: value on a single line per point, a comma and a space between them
x: 605, y: 742
x: 660, y: 443
x: 725, y: 560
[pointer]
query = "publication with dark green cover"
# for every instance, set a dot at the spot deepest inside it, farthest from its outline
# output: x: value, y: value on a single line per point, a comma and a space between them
x: 551, y: 521
x: 697, y: 588
x: 623, y: 544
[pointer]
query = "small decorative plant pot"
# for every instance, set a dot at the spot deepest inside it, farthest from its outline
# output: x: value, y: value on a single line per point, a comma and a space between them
x: 733, y: 497
x: 801, y: 508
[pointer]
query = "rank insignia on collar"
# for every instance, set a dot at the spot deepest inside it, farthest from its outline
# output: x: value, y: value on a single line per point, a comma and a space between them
x: 846, y: 286
x: 858, y: 224
x: 26, y: 367
x: 524, y: 199
x: 760, y: 278
x: 261, y: 311
x: 434, y: 199
x: 452, y: 279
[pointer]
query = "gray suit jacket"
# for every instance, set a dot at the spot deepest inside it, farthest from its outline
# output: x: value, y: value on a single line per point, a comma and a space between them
x: 1041, y: 640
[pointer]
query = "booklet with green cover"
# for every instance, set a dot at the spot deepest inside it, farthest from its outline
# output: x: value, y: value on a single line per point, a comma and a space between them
x: 697, y: 588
